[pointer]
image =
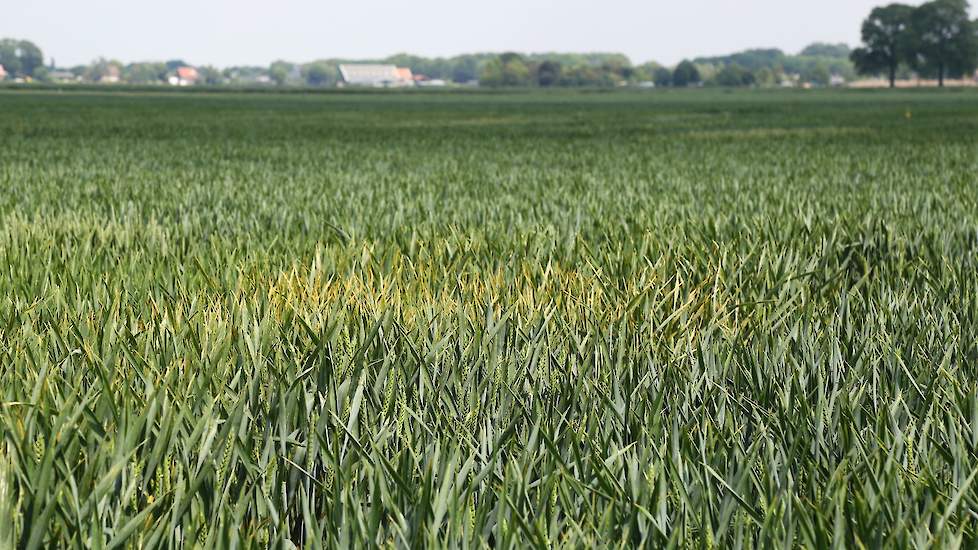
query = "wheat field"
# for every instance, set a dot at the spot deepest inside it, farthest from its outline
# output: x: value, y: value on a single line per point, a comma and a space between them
x: 671, y: 319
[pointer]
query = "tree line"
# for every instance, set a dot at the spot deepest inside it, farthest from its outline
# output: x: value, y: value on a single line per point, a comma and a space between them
x: 936, y: 40
x: 815, y: 64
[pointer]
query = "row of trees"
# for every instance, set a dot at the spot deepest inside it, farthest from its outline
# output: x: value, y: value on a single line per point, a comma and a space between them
x: 23, y: 59
x: 749, y: 68
x: 152, y: 72
x: 816, y: 64
x: 546, y: 70
x: 936, y: 39
x: 508, y: 69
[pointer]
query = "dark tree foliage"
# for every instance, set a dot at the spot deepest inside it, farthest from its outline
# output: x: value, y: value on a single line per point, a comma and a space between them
x: 31, y: 57
x: 144, y: 73
x: 751, y: 60
x: 175, y: 64
x: 319, y: 74
x: 20, y: 57
x: 887, y: 40
x: 279, y: 71
x: 662, y: 77
x: 944, y: 40
x: 509, y: 69
x: 548, y: 73
x: 935, y: 39
x: 686, y: 74
x: 734, y: 75
x: 823, y: 49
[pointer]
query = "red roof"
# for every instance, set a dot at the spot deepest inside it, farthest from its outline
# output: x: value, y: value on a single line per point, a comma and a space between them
x: 187, y: 73
x: 404, y: 73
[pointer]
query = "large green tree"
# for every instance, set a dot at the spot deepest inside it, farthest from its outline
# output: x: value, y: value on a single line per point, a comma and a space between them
x: 944, y: 39
x: 662, y: 77
x: 508, y: 69
x: 210, y: 75
x: 751, y: 60
x: 823, y: 49
x: 817, y: 74
x: 686, y: 74
x: 8, y: 56
x: 548, y: 73
x: 144, y: 73
x: 515, y: 71
x: 279, y: 71
x: 319, y: 73
x: 734, y: 75
x: 20, y: 57
x: 491, y: 74
x: 464, y: 69
x: 887, y: 41
x: 31, y: 57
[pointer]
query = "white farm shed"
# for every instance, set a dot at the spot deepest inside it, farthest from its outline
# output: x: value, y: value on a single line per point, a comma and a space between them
x: 376, y: 76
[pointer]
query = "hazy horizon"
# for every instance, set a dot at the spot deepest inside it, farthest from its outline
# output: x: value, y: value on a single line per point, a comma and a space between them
x: 246, y: 32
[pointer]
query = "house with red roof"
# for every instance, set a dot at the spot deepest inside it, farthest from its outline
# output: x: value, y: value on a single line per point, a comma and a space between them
x: 375, y: 76
x: 404, y: 76
x: 184, y: 76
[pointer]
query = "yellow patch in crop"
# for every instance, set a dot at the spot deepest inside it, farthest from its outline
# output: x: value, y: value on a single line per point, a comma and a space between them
x: 769, y: 133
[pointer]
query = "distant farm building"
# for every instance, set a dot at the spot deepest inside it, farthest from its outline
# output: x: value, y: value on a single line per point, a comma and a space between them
x: 404, y: 75
x: 790, y: 80
x: 112, y: 75
x: 376, y: 76
x: 424, y: 80
x: 61, y: 76
x: 185, y: 76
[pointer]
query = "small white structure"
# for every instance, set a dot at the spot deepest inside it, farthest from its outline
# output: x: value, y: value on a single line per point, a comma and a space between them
x: 837, y: 81
x: 62, y: 76
x: 112, y: 75
x: 376, y: 76
x: 432, y: 83
x: 3, y: 73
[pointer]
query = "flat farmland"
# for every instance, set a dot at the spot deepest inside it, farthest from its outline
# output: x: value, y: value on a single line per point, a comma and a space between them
x: 668, y: 319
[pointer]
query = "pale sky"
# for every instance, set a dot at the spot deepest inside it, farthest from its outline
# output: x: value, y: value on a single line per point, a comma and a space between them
x: 255, y: 32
